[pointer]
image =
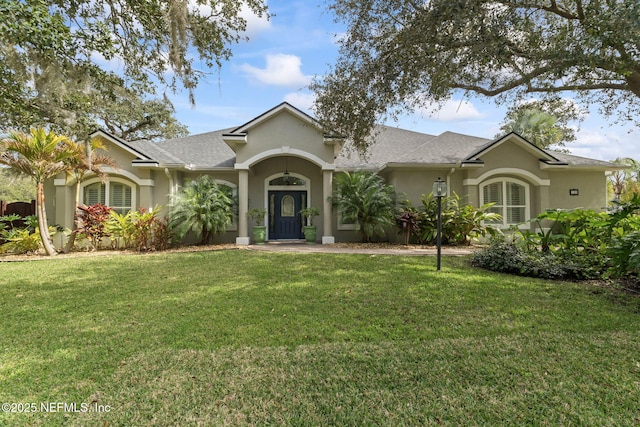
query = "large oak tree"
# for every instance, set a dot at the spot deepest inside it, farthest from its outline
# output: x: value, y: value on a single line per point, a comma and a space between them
x: 57, y: 56
x: 398, y: 55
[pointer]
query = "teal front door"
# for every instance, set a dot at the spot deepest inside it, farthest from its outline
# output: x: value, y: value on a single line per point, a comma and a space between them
x: 284, y: 219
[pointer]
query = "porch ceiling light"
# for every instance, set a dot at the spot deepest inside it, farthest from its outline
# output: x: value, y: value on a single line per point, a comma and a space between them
x: 286, y: 171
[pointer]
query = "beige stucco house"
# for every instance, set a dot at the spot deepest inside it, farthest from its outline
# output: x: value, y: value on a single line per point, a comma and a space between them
x: 284, y: 160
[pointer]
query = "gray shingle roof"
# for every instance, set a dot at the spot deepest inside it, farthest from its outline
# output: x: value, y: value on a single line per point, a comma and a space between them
x: 202, y: 151
x: 391, y: 147
x: 578, y: 161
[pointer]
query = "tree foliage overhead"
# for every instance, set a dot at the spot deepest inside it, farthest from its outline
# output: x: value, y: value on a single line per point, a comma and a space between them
x: 398, y: 55
x: 56, y: 54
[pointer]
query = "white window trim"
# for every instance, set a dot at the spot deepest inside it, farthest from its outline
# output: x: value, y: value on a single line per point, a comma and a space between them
x: 343, y: 226
x: 527, y: 196
x: 107, y: 182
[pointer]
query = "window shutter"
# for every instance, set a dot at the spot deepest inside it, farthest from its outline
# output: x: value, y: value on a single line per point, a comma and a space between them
x: 515, y: 194
x: 94, y: 194
x: 493, y: 193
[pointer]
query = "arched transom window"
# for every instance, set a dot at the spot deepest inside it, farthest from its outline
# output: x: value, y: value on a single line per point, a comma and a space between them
x: 118, y: 195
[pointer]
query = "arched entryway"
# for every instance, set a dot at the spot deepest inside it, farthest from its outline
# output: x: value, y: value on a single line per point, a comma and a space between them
x: 286, y: 193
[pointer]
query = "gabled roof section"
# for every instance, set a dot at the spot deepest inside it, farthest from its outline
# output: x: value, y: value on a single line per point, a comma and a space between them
x: 127, y: 146
x: 205, y: 151
x: 542, y: 155
x: 285, y: 106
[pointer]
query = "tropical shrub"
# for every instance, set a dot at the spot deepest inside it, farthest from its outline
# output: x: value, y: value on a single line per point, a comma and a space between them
x: 140, y: 230
x: 202, y: 207
x: 21, y: 236
x: 364, y: 199
x: 625, y: 254
x: 460, y: 221
x: 150, y: 233
x: 121, y: 228
x: 586, y: 244
x: 408, y: 222
x: 506, y: 256
x: 92, y: 222
x: 20, y: 241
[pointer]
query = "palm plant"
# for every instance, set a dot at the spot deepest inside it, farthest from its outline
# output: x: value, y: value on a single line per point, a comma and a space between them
x: 363, y: 198
x: 537, y: 126
x: 203, y: 207
x: 40, y: 155
x: 85, y: 160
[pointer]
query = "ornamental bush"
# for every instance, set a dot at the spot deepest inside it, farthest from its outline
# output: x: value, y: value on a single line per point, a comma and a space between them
x: 461, y: 222
x: 575, y: 244
x: 364, y: 199
x: 202, y: 207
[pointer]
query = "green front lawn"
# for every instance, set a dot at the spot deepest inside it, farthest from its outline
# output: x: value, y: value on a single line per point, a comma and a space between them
x: 248, y: 338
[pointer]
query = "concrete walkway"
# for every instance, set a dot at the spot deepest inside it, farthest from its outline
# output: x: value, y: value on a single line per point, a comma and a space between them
x: 373, y: 249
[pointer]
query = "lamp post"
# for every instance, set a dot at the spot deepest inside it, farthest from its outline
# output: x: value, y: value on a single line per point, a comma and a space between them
x: 439, y: 191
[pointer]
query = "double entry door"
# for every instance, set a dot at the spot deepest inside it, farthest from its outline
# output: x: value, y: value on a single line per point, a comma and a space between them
x: 285, y: 221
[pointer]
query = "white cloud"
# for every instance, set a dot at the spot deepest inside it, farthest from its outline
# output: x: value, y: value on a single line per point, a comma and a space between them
x: 303, y: 101
x: 280, y: 70
x: 255, y: 24
x: 451, y: 110
x: 114, y: 64
x: 605, y: 144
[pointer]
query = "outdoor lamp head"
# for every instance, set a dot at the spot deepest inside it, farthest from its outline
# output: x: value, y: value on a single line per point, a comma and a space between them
x: 440, y: 188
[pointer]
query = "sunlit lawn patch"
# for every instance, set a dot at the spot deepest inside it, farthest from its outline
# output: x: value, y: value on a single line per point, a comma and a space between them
x: 238, y: 337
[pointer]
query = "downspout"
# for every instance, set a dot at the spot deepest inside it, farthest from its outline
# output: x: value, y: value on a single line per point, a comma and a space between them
x: 171, y: 182
x: 172, y: 190
x: 448, y: 178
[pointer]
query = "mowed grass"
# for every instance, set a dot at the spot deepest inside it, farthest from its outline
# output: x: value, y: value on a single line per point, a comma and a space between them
x: 247, y: 338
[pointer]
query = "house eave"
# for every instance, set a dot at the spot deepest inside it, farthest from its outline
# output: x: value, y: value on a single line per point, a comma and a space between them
x: 472, y: 164
x: 333, y: 140
x: 545, y: 164
x: 139, y: 163
x: 394, y: 165
x: 194, y: 168
x: 119, y: 142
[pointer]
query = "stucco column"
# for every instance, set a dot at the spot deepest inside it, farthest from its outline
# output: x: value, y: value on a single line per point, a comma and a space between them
x: 243, y: 207
x: 327, y: 192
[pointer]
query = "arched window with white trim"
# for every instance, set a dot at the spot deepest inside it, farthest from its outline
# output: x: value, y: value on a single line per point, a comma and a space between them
x: 118, y: 194
x: 511, y: 200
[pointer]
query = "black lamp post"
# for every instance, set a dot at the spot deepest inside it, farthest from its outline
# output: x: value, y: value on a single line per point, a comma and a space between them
x: 439, y: 191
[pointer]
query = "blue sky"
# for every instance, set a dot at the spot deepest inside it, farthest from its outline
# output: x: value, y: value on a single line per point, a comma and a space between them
x: 299, y: 42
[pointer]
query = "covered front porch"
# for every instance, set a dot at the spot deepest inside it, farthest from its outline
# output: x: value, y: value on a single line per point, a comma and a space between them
x: 282, y: 182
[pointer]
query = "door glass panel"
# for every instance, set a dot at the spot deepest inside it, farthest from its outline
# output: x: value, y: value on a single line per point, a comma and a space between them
x: 288, y: 180
x: 287, y: 206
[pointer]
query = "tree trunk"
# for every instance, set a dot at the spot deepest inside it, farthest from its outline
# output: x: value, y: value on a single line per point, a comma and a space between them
x: 42, y: 220
x: 72, y: 237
